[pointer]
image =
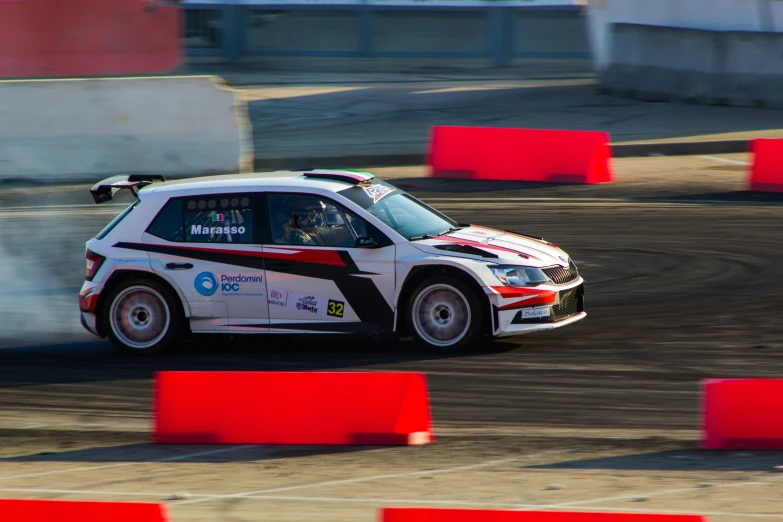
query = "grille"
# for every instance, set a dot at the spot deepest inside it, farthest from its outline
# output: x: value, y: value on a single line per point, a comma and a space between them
x: 569, y: 304
x: 560, y: 275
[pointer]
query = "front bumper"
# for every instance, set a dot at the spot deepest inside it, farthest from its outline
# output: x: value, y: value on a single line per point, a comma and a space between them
x: 519, y: 329
x: 568, y: 307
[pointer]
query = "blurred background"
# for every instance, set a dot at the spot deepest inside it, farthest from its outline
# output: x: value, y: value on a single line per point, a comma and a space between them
x: 679, y: 253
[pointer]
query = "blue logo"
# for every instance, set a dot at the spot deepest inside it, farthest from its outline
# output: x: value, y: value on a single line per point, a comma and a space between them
x: 206, y: 284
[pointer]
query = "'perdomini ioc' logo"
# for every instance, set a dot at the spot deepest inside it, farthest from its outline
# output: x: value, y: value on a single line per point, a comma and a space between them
x: 206, y: 284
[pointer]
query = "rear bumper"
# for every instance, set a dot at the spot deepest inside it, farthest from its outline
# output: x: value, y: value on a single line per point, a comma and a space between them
x: 88, y: 300
x: 88, y: 321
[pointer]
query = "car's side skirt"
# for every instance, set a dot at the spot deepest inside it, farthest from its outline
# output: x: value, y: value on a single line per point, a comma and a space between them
x: 353, y: 327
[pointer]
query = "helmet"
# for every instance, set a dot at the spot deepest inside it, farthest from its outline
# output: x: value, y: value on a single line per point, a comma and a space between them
x: 303, y: 212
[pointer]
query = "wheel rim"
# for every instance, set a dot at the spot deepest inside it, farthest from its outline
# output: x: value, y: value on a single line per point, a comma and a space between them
x: 139, y: 317
x: 441, y: 315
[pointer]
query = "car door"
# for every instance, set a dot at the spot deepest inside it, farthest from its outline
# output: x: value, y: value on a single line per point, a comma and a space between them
x: 206, y: 246
x: 318, y: 279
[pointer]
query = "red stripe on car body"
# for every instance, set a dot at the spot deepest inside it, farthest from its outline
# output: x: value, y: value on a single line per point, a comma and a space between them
x: 323, y: 257
x: 532, y: 296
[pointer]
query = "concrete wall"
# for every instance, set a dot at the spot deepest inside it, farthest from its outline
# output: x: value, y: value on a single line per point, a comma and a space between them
x: 753, y: 68
x: 721, y: 15
x: 656, y: 62
x: 86, y: 130
x: 668, y: 63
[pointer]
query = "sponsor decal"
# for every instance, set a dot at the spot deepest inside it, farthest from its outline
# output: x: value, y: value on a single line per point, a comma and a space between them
x: 278, y: 298
x: 238, y: 285
x: 491, y: 238
x: 376, y: 192
x: 563, y: 261
x: 534, y: 312
x: 308, y: 303
x: 206, y: 284
x: 132, y: 261
x: 335, y: 308
x: 196, y: 230
x: 241, y: 285
x: 361, y: 293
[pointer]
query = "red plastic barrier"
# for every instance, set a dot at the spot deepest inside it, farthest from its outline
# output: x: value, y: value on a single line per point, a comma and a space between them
x: 61, y: 38
x: 375, y: 408
x: 742, y: 414
x: 520, y: 154
x: 766, y: 171
x: 493, y: 515
x: 28, y: 510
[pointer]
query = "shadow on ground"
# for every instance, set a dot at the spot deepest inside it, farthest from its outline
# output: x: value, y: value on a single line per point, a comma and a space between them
x: 185, y: 453
x: 60, y: 363
x: 727, y: 197
x: 678, y: 460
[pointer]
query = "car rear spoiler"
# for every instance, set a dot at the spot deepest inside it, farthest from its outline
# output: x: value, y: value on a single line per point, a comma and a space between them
x: 104, y: 190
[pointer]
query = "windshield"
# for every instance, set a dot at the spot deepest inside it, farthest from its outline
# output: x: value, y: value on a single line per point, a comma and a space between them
x: 402, y: 212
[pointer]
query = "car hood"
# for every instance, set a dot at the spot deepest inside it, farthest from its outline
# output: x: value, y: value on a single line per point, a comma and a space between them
x: 497, y: 246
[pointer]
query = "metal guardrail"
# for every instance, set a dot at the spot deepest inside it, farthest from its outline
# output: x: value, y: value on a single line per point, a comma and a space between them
x: 496, y: 33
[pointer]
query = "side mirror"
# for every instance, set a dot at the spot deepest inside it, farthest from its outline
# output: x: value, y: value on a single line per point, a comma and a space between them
x: 366, y: 242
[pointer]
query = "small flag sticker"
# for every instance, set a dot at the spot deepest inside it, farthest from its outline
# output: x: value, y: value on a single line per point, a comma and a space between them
x: 218, y: 217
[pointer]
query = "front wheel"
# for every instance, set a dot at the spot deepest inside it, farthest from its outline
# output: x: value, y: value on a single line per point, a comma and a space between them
x: 444, y: 315
x: 141, y: 317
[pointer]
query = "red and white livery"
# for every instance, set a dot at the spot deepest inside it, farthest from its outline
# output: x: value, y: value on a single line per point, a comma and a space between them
x: 312, y: 251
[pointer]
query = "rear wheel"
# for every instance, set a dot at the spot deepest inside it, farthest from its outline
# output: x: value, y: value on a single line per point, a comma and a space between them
x: 141, y: 317
x: 443, y: 314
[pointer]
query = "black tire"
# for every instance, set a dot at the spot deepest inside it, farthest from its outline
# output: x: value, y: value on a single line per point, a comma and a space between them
x: 425, y: 318
x: 141, y: 304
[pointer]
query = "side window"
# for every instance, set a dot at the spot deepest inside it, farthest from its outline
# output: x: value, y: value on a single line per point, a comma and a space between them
x: 310, y: 220
x: 168, y: 223
x: 216, y: 218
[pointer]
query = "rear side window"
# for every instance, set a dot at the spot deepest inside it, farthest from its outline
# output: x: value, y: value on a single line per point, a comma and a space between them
x: 219, y: 219
x: 213, y: 218
x: 168, y: 223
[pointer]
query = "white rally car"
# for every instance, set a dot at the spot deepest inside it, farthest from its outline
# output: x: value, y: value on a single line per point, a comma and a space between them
x: 312, y: 251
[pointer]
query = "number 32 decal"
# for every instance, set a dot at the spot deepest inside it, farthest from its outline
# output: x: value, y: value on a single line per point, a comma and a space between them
x: 335, y: 308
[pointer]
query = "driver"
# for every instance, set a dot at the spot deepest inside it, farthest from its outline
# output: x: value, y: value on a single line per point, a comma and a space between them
x: 300, y: 221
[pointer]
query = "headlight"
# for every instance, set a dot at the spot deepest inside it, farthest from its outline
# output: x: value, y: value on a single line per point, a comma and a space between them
x: 511, y: 275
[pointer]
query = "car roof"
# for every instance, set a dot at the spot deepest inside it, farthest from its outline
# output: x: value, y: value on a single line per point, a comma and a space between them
x: 325, y: 179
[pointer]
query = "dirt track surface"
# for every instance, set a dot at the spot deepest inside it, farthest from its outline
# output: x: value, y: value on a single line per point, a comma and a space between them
x: 380, y: 118
x: 682, y: 284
